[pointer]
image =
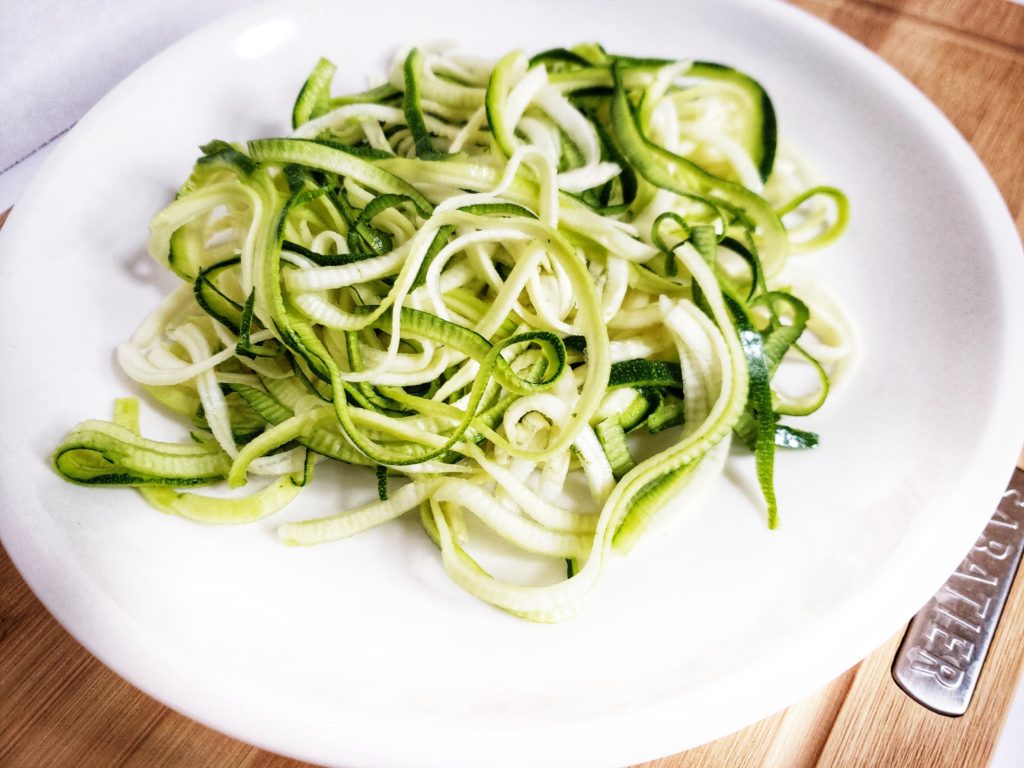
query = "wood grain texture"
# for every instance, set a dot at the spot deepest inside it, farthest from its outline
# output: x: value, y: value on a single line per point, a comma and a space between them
x: 864, y: 720
x: 879, y: 725
x: 979, y: 85
x: 992, y: 21
x: 793, y: 738
x: 60, y: 707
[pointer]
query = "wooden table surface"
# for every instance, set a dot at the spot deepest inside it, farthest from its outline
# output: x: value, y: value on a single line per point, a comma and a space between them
x: 59, y: 707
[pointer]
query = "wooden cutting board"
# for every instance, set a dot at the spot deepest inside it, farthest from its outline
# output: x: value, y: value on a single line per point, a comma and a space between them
x: 61, y: 708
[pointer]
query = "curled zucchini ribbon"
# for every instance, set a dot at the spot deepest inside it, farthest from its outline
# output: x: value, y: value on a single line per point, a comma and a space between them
x: 488, y: 284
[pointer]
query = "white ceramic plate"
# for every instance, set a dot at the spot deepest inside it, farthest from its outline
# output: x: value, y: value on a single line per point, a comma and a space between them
x: 362, y: 652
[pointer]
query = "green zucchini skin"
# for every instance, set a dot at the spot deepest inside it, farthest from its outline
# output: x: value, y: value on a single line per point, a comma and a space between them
x: 762, y: 135
x: 483, y: 279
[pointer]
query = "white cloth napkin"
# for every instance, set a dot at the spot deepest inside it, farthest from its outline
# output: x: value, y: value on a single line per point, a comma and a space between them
x: 57, y: 59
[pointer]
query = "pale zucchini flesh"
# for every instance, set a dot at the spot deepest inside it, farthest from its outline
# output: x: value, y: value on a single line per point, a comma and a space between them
x: 475, y: 283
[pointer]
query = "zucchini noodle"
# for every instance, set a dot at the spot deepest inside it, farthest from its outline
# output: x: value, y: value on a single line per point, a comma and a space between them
x: 492, y: 281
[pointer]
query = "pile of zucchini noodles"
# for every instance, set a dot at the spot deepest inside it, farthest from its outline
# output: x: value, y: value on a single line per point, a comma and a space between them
x: 487, y: 279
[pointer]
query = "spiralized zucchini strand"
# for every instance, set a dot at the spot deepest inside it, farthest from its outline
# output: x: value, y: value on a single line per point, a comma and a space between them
x: 486, y: 285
